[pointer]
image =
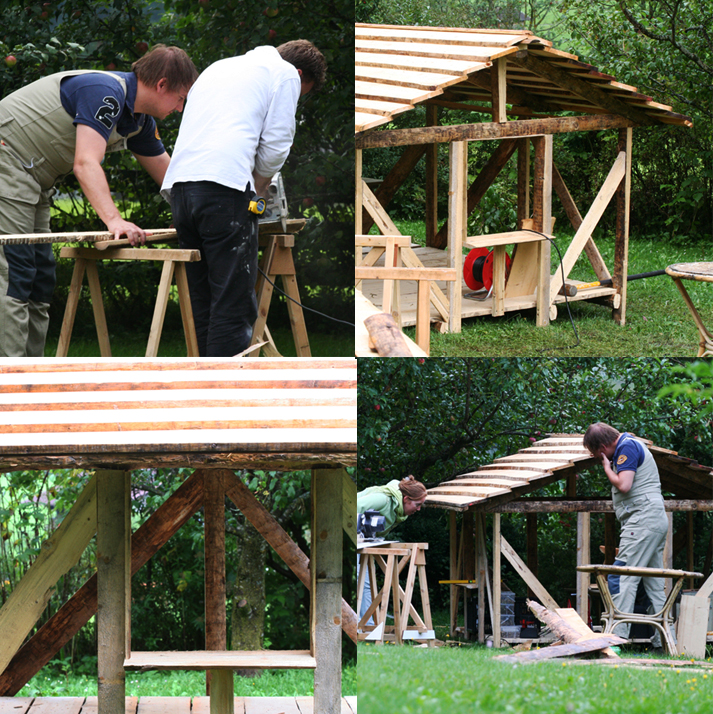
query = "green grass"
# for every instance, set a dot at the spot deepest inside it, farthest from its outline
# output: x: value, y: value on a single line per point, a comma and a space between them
x: 657, y: 320
x: 174, y: 345
x: 272, y: 683
x: 464, y: 680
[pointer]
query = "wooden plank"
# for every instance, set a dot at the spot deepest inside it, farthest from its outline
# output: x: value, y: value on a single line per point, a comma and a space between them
x: 113, y: 587
x: 497, y: 580
x: 188, y: 256
x: 583, y: 558
x: 165, y: 705
x: 509, y: 238
x: 56, y: 705
x: 271, y: 705
x: 91, y: 705
x: 15, y: 705
x: 621, y: 246
x: 570, y: 650
x: 326, y: 589
x: 572, y: 618
x: 59, y: 553
x: 231, y: 659
x: 279, y: 540
x: 526, y: 574
x: 406, y: 274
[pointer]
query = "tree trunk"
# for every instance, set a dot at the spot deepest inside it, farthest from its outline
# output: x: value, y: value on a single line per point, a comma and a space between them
x: 248, y: 621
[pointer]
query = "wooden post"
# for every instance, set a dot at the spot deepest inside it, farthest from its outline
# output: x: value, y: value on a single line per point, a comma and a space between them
x: 457, y: 225
x: 621, y: 247
x: 453, y: 571
x: 531, y: 548
x: 469, y: 558
x: 498, y: 89
x: 358, y: 203
x: 583, y: 558
x: 609, y: 538
x: 668, y: 553
x: 523, y: 181
x: 431, y: 179
x: 542, y: 221
x: 219, y: 683
x: 482, y: 569
x: 326, y: 590
x: 497, y: 580
x: 689, y: 547
x: 113, y: 587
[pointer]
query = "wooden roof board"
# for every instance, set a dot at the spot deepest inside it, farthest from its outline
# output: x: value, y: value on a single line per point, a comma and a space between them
x: 406, y: 78
x: 78, y: 414
x: 445, y: 66
x: 698, y: 479
x: 432, y: 45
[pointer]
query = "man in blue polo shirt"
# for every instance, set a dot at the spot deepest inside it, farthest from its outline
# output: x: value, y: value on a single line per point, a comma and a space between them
x: 639, y: 507
x: 67, y: 122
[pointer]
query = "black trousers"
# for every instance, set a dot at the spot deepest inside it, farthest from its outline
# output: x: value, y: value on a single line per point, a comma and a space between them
x: 215, y: 220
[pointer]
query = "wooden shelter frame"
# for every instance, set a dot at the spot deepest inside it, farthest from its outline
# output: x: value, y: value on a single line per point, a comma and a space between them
x: 502, y: 487
x: 281, y: 415
x: 523, y: 83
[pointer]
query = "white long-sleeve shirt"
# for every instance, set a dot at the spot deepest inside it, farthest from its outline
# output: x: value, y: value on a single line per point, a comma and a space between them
x: 239, y: 119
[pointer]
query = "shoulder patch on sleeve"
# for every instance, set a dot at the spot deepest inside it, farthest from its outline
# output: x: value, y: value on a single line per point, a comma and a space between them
x: 158, y: 138
x: 621, y: 460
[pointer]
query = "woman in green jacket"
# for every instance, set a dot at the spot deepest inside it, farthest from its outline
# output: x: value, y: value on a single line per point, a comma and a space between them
x: 396, y: 501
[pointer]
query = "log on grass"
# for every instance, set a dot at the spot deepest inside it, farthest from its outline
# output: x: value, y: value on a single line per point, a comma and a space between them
x: 569, y: 650
x: 386, y: 336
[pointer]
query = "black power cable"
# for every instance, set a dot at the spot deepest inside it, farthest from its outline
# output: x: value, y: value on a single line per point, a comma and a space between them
x: 566, y: 299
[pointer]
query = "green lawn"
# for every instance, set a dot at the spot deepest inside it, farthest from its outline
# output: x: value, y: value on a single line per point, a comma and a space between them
x: 657, y: 320
x: 466, y: 680
x: 272, y: 683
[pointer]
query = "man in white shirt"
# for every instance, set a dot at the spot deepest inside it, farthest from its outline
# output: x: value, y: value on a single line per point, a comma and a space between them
x: 236, y: 133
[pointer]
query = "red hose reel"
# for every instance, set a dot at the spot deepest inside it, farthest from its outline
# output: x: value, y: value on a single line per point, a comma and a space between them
x: 478, y: 269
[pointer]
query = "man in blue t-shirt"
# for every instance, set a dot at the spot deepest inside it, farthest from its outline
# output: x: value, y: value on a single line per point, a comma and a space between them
x: 67, y: 122
x: 639, y: 508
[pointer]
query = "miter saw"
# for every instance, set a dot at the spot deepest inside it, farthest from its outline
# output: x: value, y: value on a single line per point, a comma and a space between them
x: 275, y: 203
x: 369, y: 524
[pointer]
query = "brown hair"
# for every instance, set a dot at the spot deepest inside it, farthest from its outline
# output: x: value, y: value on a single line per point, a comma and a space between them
x: 411, y: 488
x: 305, y: 56
x: 162, y: 62
x: 599, y: 435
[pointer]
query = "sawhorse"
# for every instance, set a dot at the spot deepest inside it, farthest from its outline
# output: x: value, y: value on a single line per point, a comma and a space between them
x: 392, y: 558
x: 174, y: 261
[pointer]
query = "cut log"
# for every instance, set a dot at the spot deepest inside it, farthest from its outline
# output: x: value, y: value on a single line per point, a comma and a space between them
x: 386, y: 336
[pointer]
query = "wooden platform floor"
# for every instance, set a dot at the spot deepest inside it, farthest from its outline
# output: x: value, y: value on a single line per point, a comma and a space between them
x: 435, y: 258
x: 165, y: 705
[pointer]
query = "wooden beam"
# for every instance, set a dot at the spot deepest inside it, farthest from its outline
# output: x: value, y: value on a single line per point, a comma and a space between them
x: 279, y: 540
x: 326, y: 590
x: 405, y: 274
x: 497, y: 580
x: 431, y: 180
x: 358, y: 201
x: 621, y: 246
x: 59, y: 553
x: 218, y: 685
x: 523, y: 181
x: 610, y: 538
x: 113, y: 587
x: 77, y: 611
x: 490, y: 130
x: 457, y: 228
x: 588, y: 91
x: 532, y: 564
x: 542, y: 222
x: 606, y: 192
x: 377, y: 212
x: 592, y: 505
x: 453, y: 570
x: 498, y: 89
x: 394, y: 180
x: 524, y: 572
x: 583, y: 558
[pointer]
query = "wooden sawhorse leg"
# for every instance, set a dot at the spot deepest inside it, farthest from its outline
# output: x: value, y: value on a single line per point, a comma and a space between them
x: 277, y: 260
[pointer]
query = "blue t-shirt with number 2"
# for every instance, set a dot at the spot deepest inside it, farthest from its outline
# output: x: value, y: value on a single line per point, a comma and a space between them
x: 98, y: 101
